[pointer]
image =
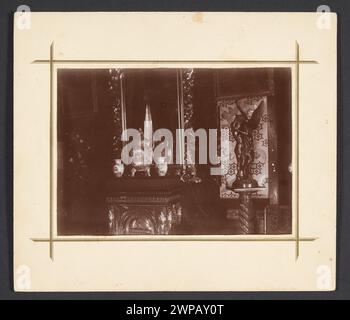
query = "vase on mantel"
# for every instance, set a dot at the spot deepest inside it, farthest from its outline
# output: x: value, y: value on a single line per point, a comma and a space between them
x: 118, y: 168
x: 162, y: 166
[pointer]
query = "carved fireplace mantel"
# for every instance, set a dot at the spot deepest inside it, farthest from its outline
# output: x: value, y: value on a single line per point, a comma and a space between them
x: 143, y: 206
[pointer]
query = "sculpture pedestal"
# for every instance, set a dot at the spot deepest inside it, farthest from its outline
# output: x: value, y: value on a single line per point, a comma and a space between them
x: 246, y: 210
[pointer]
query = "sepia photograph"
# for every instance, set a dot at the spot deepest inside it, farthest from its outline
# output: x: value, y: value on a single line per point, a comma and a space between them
x: 174, y: 151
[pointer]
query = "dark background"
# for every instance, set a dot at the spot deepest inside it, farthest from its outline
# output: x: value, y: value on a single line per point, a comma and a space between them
x: 7, y: 7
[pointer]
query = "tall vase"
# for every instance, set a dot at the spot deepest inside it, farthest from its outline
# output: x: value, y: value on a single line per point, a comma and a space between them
x: 148, y: 137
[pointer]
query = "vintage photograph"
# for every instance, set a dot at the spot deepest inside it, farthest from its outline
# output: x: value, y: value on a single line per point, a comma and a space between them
x: 174, y: 151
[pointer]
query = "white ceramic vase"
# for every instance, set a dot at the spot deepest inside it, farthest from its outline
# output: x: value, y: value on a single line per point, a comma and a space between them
x: 118, y: 168
x: 162, y: 166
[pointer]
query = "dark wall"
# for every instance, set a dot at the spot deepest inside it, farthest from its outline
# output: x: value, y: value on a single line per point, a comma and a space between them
x: 205, y: 109
x: 206, y: 194
x: 85, y: 131
x: 283, y: 107
x: 243, y: 82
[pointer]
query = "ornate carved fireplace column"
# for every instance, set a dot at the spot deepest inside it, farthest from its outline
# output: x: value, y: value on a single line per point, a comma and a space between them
x: 119, y: 113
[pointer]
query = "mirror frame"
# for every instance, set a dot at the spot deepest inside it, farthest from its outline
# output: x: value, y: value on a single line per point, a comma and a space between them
x: 185, y: 110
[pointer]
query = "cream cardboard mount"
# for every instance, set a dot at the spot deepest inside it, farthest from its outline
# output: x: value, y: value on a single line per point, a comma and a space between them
x: 47, y: 41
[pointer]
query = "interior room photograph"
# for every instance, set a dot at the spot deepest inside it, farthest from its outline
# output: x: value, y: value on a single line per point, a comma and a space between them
x: 98, y: 194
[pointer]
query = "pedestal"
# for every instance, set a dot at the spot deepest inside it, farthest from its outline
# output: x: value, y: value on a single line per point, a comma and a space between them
x: 246, y: 209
